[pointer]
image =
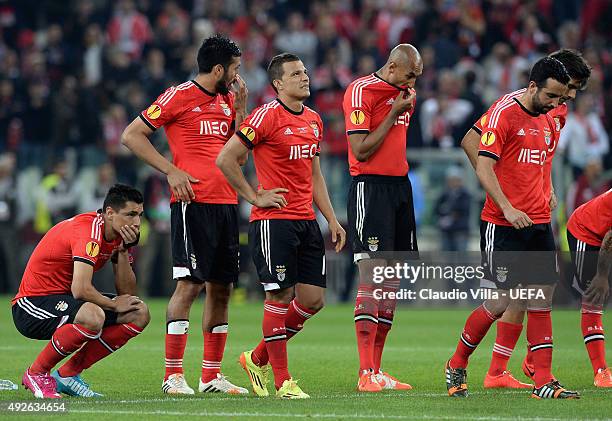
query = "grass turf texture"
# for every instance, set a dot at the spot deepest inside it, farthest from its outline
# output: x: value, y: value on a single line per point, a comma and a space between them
x: 324, y: 357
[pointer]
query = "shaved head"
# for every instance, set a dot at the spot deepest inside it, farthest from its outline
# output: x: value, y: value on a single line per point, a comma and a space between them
x: 404, y: 54
x: 403, y: 66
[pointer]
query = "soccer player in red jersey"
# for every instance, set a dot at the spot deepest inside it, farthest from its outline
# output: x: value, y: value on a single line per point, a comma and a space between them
x: 516, y: 224
x: 57, y: 300
x: 589, y: 234
x: 284, y: 236
x: 199, y: 116
x: 510, y: 325
x: 377, y: 110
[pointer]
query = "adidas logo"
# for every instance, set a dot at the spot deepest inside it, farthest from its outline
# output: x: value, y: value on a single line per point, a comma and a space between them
x: 288, y: 131
x: 197, y: 109
x: 521, y: 133
x: 390, y: 101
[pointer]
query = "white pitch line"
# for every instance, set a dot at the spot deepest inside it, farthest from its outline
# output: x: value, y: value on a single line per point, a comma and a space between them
x: 321, y: 416
x: 407, y: 395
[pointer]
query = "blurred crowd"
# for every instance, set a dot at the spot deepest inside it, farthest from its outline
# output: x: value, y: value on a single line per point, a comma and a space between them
x: 74, y: 73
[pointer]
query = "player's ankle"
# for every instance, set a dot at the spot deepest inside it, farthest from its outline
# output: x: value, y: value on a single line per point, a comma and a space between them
x: 208, y: 376
x: 496, y: 371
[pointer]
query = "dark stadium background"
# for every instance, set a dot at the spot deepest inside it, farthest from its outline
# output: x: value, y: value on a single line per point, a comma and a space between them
x: 73, y: 74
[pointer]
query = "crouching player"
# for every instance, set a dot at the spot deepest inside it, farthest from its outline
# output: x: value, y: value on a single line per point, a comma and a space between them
x: 57, y: 300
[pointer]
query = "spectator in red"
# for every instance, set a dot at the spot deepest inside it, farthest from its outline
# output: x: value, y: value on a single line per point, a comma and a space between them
x: 129, y: 30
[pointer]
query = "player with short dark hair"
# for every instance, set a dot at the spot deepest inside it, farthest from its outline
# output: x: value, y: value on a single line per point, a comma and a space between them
x: 589, y: 234
x: 284, y: 236
x: 199, y: 116
x: 377, y: 110
x: 515, y: 224
x: 57, y: 300
x: 510, y: 325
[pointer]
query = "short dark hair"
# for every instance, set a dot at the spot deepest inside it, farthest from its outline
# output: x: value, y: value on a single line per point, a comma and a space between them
x: 548, y: 68
x: 216, y: 50
x: 119, y: 195
x: 574, y: 63
x: 275, y: 68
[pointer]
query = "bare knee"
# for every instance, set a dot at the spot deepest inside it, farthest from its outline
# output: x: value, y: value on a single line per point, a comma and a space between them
x: 90, y: 316
x: 313, y: 304
x: 141, y: 316
x: 496, y: 306
x: 284, y: 295
x: 186, y: 291
x: 218, y: 295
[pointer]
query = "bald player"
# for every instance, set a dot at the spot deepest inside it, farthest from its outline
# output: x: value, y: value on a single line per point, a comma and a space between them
x: 377, y: 110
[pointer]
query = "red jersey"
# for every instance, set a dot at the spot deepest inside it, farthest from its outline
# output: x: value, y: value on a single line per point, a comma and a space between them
x: 198, y: 123
x: 367, y: 102
x: 591, y: 222
x: 519, y: 141
x: 559, y: 116
x: 284, y: 143
x: 49, y: 270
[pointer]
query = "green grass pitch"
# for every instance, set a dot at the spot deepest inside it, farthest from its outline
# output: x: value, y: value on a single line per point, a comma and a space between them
x: 323, y: 358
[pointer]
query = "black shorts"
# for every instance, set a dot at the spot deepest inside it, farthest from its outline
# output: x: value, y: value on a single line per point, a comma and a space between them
x: 39, y: 317
x: 287, y: 252
x: 584, y: 262
x: 381, y: 216
x: 205, y: 242
x: 511, y: 257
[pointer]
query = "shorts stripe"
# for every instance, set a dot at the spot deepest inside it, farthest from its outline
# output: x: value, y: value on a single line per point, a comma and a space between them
x: 184, y: 213
x: 360, y: 210
x: 32, y: 310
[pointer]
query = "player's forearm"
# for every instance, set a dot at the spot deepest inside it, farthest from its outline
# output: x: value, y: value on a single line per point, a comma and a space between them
x: 370, y: 144
x: 125, y: 279
x: 230, y: 167
x: 321, y: 197
x: 90, y: 294
x: 240, y: 116
x: 469, y: 143
x: 604, y: 261
x: 490, y: 183
x: 140, y: 145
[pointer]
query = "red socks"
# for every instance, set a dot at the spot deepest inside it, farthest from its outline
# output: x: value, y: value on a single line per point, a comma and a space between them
x: 112, y: 338
x: 275, y: 337
x: 294, y: 322
x: 476, y: 327
x: 214, y: 345
x: 65, y: 341
x: 593, y: 333
x: 176, y: 341
x: 539, y: 335
x: 366, y: 326
x: 386, y: 312
x: 507, y: 336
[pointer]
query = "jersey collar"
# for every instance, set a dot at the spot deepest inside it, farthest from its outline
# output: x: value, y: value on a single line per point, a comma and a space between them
x: 203, y: 89
x: 289, y: 109
x: 525, y: 109
x: 395, y: 86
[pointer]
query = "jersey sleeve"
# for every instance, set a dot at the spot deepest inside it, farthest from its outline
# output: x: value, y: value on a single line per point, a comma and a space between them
x: 255, y: 128
x: 84, y: 248
x: 478, y: 124
x: 163, y: 110
x: 319, y: 123
x: 357, y: 109
x: 494, y: 135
